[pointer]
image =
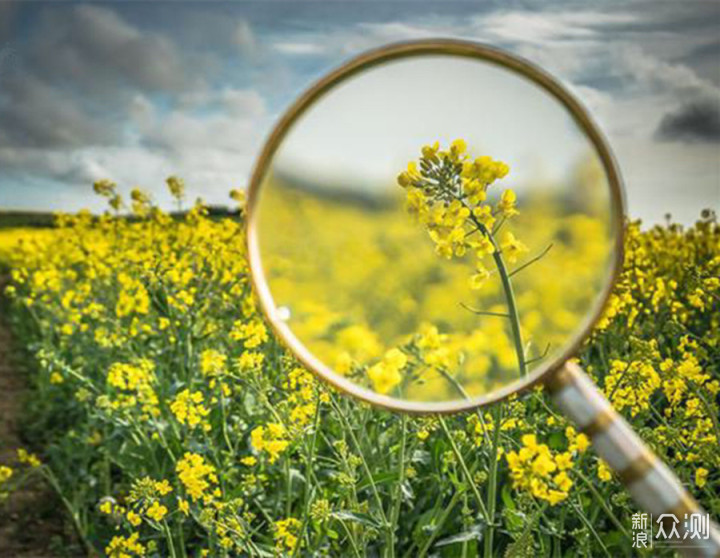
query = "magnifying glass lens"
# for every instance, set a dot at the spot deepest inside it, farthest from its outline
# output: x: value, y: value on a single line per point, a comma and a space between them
x: 434, y: 229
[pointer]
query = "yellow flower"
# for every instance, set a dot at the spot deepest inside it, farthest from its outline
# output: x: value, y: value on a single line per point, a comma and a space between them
x: 176, y: 186
x: 562, y: 481
x: 582, y: 443
x: 484, y: 215
x: 133, y: 518
x: 156, y: 511
x: 457, y: 148
x: 183, y: 506
x: 701, y: 474
x: 543, y: 464
x: 5, y: 473
x: 478, y: 279
x: 385, y: 375
x: 555, y: 496
x: 27, y: 458
x: 507, y: 202
x: 163, y: 487
x: 604, y: 473
x: 512, y: 247
x: 564, y: 461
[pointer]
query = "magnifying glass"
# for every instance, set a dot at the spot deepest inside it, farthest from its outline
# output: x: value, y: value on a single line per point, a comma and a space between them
x: 436, y: 226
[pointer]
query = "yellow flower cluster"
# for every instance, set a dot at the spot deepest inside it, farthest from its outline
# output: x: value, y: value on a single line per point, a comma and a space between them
x: 134, y: 382
x: 302, y: 400
x: 448, y: 194
x: 188, y: 408
x: 631, y: 384
x: 286, y: 534
x: 213, y: 363
x: 271, y: 439
x: 196, y: 475
x: 5, y: 473
x: 252, y: 334
x: 539, y: 471
x: 125, y: 547
x: 27, y: 458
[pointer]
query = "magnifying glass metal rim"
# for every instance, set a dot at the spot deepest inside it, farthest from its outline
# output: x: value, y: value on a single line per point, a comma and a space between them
x: 414, y: 49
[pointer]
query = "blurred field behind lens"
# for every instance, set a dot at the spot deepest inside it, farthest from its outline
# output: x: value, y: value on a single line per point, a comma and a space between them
x: 353, y: 275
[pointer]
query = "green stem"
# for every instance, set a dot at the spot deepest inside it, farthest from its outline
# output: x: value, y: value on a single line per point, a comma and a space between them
x: 309, y: 456
x: 509, y: 296
x: 589, y: 525
x: 168, y: 535
x: 464, y: 467
x: 395, y: 512
x: 512, y: 310
x: 492, y: 485
x: 223, y: 414
x: 366, y: 468
x: 288, y: 485
x: 602, y: 503
x: 441, y: 521
x: 351, y: 538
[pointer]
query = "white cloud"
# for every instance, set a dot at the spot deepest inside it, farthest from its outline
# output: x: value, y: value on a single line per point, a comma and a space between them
x: 551, y: 26
x: 299, y: 48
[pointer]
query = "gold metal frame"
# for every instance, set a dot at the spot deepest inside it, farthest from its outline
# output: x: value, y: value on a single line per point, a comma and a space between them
x: 447, y: 47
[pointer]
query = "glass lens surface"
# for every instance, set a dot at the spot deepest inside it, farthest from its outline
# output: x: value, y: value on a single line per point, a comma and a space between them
x: 434, y: 229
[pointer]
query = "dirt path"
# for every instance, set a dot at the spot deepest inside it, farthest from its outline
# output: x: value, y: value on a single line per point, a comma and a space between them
x: 31, y: 520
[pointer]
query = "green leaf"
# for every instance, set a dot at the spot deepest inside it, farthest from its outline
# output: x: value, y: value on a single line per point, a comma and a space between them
x: 475, y: 533
x: 362, y: 518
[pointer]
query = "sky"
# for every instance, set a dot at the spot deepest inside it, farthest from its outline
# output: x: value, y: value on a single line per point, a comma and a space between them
x: 135, y: 91
x: 356, y: 138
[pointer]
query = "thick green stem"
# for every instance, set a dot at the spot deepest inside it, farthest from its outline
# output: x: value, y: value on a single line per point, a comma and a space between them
x: 513, y: 314
x: 512, y: 310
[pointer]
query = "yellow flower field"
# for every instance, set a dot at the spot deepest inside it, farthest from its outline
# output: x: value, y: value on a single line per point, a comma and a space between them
x: 173, y: 423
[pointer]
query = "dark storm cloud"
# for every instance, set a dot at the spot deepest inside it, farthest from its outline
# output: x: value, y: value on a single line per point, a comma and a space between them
x: 40, y: 115
x: 694, y: 122
x: 93, y: 46
x: 80, y: 70
x: 8, y: 10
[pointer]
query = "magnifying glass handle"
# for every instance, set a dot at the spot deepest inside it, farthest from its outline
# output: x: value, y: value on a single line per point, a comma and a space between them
x: 652, y: 484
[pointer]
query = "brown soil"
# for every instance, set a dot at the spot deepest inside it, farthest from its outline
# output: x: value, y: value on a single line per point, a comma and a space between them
x: 32, y: 521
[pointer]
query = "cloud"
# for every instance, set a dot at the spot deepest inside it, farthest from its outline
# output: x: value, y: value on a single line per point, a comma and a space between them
x: 694, y: 122
x: 542, y: 28
x: 8, y: 11
x: 299, y: 48
x: 92, y: 46
x: 77, y: 75
x: 38, y: 115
